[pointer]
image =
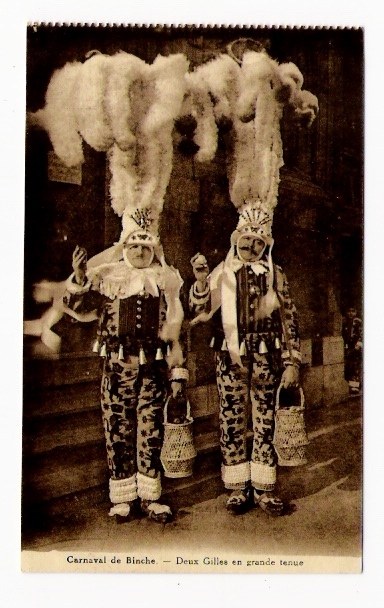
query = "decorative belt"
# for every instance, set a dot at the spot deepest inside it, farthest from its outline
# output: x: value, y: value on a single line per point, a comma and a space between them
x: 257, y: 342
x: 125, y: 347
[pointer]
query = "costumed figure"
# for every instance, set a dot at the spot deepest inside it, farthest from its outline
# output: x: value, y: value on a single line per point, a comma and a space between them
x: 125, y: 107
x: 352, y: 336
x: 135, y: 295
x: 256, y: 341
x: 128, y: 108
x: 199, y: 293
x: 257, y: 348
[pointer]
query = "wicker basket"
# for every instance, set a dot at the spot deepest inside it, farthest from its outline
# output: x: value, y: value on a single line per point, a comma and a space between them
x: 178, y: 451
x: 290, y: 436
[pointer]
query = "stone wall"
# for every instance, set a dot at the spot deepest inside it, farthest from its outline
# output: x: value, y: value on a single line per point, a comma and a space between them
x: 324, y: 384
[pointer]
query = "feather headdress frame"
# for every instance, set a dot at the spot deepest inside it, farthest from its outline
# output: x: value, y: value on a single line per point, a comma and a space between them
x: 142, y: 218
x: 254, y: 219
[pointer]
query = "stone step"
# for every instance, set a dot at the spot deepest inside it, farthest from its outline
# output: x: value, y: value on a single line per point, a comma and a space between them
x: 79, y: 505
x: 84, y: 478
x: 63, y: 471
x: 60, y: 370
x: 49, y: 400
x: 46, y: 434
x: 75, y: 430
x: 68, y: 399
x: 63, y: 439
x: 66, y: 469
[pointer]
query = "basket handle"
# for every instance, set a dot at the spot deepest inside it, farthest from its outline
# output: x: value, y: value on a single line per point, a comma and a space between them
x: 302, y: 400
x: 166, y: 410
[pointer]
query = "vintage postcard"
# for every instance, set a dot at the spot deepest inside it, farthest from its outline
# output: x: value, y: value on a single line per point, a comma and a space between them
x: 193, y: 300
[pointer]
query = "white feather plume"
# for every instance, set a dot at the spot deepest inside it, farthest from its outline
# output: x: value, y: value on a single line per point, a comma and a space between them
x: 253, y: 168
x: 57, y: 117
x: 123, y: 71
x: 124, y: 178
x: 167, y: 74
x: 256, y: 70
x: 221, y: 78
x: 306, y: 106
x: 240, y: 163
x: 141, y: 177
x: 291, y: 71
x: 90, y: 90
x: 205, y: 135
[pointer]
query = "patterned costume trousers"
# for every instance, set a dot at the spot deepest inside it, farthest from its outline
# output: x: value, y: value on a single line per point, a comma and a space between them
x: 132, y: 401
x: 250, y: 389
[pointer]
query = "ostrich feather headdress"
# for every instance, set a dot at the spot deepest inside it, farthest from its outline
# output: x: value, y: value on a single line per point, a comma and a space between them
x: 123, y: 106
x: 254, y: 164
x: 253, y: 167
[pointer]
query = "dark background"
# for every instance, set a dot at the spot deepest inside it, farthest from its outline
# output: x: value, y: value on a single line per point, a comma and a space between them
x: 318, y: 221
x: 318, y: 228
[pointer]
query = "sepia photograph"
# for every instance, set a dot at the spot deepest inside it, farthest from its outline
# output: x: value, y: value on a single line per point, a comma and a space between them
x: 193, y: 299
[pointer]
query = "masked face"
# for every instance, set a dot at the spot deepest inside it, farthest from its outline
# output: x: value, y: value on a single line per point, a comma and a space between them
x: 201, y: 272
x: 140, y: 256
x: 250, y: 248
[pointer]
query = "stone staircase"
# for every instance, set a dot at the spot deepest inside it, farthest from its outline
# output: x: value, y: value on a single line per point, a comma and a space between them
x: 64, y: 457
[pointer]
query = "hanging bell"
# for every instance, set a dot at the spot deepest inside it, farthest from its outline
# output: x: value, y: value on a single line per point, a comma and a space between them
x: 121, y: 353
x: 142, y: 357
x: 96, y: 346
x: 224, y: 345
x: 277, y: 343
x: 103, y: 352
x: 212, y: 343
x: 262, y: 347
x: 159, y: 355
x: 243, y: 349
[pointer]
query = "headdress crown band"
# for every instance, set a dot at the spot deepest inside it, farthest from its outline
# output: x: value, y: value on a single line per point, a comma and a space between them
x: 255, y: 219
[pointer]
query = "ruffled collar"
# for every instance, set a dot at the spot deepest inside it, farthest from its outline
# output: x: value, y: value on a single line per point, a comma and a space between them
x: 258, y: 267
x: 118, y: 280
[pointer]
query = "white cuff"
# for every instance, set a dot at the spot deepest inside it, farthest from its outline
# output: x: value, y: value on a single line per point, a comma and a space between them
x: 235, y: 475
x: 76, y: 289
x: 291, y: 358
x: 148, y: 488
x: 122, y: 490
x: 263, y: 477
x: 179, y: 373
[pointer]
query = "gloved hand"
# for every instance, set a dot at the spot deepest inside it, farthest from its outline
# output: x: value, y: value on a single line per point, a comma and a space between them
x: 290, y: 377
x: 79, y: 264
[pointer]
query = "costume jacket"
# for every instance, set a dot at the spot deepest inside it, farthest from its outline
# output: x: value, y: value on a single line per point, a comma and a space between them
x: 137, y: 308
x: 240, y: 293
x: 139, y: 313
